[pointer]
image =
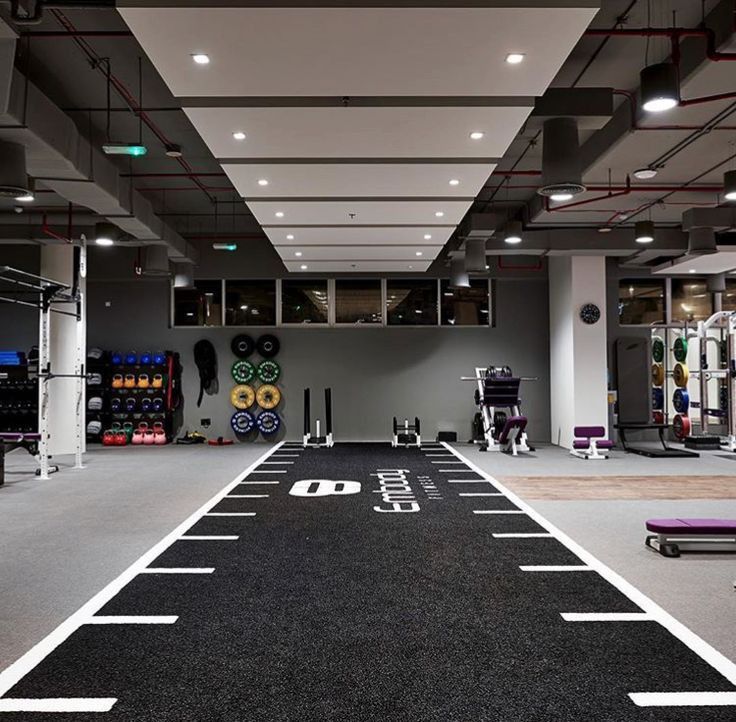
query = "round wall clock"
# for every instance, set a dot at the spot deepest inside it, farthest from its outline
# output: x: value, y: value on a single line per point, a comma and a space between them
x: 590, y: 313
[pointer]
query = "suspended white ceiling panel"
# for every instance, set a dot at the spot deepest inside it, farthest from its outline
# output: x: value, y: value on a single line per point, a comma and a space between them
x: 358, y: 235
x: 292, y: 51
x: 359, y: 132
x: 358, y: 213
x: 359, y: 253
x: 358, y: 180
x: 356, y: 267
x: 709, y: 263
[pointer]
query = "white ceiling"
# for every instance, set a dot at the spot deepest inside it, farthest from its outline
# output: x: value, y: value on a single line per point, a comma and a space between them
x: 358, y: 253
x: 356, y: 267
x: 359, y: 132
x: 422, y: 79
x: 358, y: 180
x: 703, y: 265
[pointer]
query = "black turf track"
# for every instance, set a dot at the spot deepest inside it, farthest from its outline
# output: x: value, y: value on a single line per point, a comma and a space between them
x: 325, y: 610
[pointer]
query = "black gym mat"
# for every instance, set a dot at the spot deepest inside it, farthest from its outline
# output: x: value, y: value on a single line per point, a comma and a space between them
x: 343, y: 608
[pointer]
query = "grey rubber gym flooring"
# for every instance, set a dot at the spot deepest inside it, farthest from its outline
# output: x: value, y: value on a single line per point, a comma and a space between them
x: 393, y: 602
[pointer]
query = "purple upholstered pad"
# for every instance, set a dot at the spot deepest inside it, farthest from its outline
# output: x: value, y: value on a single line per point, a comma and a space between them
x: 692, y: 526
x: 12, y: 437
x: 588, y: 432
x: 513, y: 422
x: 584, y: 444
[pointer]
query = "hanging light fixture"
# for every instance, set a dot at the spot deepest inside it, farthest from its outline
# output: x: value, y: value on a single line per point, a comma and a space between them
x: 458, y: 274
x: 475, y: 255
x: 512, y: 233
x: 644, y: 231
x: 14, y: 182
x: 729, y: 185
x: 659, y: 87
x: 561, y: 170
x: 701, y: 241
x: 106, y: 234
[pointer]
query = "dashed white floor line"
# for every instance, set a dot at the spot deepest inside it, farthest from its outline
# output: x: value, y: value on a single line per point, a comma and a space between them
x: 269, y: 471
x: 699, y: 646
x: 258, y: 482
x: 447, y: 462
x: 468, y: 481
x: 11, y: 675
x: 498, y: 511
x: 606, y: 616
x: 132, y: 619
x: 523, y: 535
x: 555, y: 568
x: 683, y: 699
x: 274, y: 463
x: 480, y: 493
x: 212, y: 537
x: 177, y: 570
x: 58, y: 704
x: 285, y: 456
x: 457, y: 471
x: 230, y: 513
x: 247, y: 496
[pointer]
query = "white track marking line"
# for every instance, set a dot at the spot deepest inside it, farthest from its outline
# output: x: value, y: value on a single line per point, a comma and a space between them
x: 457, y: 471
x: 10, y: 676
x: 247, y: 496
x: 498, y: 511
x: 708, y: 653
x: 274, y: 463
x: 132, y: 620
x: 269, y: 471
x: 213, y: 537
x: 447, y: 462
x: 230, y: 513
x: 258, y: 482
x: 606, y: 617
x: 285, y: 456
x: 481, y: 493
x: 523, y: 535
x: 555, y: 568
x: 177, y: 570
x: 68, y: 704
x: 468, y: 481
x: 683, y: 699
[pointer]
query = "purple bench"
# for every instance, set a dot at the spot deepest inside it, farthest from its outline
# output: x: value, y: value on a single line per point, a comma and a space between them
x: 512, y: 430
x: 672, y: 536
x: 589, y: 442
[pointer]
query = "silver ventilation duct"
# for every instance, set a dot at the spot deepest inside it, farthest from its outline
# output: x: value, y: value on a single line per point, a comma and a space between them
x: 716, y: 283
x: 13, y: 176
x: 561, y: 169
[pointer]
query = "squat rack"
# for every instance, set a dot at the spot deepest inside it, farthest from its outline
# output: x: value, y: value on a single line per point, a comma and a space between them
x: 41, y: 293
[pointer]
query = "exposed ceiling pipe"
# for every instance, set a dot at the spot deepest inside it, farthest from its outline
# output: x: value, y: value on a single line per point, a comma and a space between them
x: 551, y: 209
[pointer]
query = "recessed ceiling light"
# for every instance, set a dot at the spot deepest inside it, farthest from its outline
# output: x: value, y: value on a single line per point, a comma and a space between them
x: 239, y: 135
x: 604, y: 229
x: 515, y: 58
x: 439, y: 214
x: 427, y: 236
x: 262, y: 182
x: 477, y: 135
x: 418, y: 253
x: 410, y: 267
x: 304, y: 266
x: 298, y: 254
x: 692, y: 270
x: 645, y: 173
x: 454, y: 182
x: 279, y: 214
x: 201, y: 58
x: 289, y: 236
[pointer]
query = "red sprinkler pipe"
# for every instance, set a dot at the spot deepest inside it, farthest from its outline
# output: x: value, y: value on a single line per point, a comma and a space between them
x: 624, y: 192
x: 52, y: 234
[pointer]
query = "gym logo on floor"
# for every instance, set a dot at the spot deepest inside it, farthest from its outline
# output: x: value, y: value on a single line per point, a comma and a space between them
x: 324, y: 487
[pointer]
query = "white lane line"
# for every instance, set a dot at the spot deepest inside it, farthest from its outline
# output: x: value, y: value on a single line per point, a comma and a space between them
x: 274, y: 463
x: 468, y: 481
x: 132, y: 620
x: 230, y: 513
x: 212, y: 537
x: 177, y: 570
x: 58, y: 704
x: 247, y: 496
x: 498, y: 511
x: 447, y: 462
x: 555, y: 568
x: 683, y: 699
x: 269, y: 471
x: 523, y: 535
x: 712, y: 656
x: 481, y: 493
x: 457, y: 471
x: 285, y: 456
x: 258, y: 482
x: 11, y: 675
x: 606, y: 617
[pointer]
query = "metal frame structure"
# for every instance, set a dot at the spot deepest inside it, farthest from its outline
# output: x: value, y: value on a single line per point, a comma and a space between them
x: 318, y: 441
x: 46, y: 293
x: 406, y: 434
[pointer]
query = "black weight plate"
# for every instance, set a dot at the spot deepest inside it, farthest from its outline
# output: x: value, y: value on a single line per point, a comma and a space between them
x: 242, y: 345
x: 268, y: 345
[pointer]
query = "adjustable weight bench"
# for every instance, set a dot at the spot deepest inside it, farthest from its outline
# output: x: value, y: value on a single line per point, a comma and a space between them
x: 672, y: 536
x: 589, y: 442
x: 511, y: 434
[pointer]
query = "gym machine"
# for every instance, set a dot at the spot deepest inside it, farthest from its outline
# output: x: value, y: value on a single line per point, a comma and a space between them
x: 406, y: 434
x: 318, y: 440
x: 498, y: 389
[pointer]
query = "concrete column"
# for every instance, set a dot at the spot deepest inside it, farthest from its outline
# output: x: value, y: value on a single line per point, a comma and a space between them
x: 578, y: 359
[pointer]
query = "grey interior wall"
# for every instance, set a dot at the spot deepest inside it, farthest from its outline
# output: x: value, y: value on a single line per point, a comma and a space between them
x: 375, y: 373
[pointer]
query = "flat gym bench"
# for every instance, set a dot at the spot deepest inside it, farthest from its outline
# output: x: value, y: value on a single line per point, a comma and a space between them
x: 672, y: 536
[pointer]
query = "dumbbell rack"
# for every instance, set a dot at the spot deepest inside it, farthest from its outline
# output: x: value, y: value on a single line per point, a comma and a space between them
x: 169, y: 392
x: 18, y: 400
